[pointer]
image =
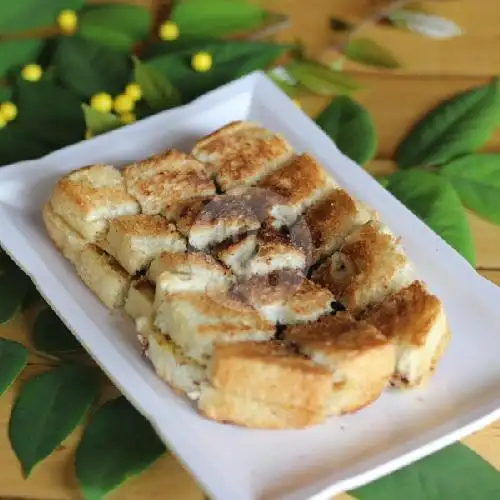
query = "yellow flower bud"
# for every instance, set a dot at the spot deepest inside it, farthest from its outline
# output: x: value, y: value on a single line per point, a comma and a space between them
x: 3, y: 122
x: 32, y: 72
x: 123, y: 103
x: 297, y: 103
x: 201, y: 61
x: 101, y: 102
x: 169, y: 31
x: 8, y: 111
x: 134, y: 91
x: 88, y: 134
x: 67, y: 20
x: 127, y: 118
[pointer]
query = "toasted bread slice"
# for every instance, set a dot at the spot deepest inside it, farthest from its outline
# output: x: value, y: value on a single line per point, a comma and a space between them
x: 188, y: 272
x: 163, y: 181
x: 196, y: 321
x: 270, y: 372
x: 236, y: 254
x: 241, y: 153
x: 208, y: 222
x: 285, y: 297
x: 370, y: 264
x: 183, y: 374
x: 135, y: 240
x: 332, y: 219
x: 65, y: 238
x: 227, y: 407
x: 414, y: 320
x: 140, y: 299
x: 103, y: 275
x: 299, y: 184
x: 360, y: 358
x: 88, y: 197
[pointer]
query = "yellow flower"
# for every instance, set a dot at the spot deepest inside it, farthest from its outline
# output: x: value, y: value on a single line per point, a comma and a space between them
x: 127, y: 118
x: 123, y: 103
x: 169, y: 31
x: 32, y: 72
x: 67, y: 20
x: 102, y: 102
x: 88, y: 134
x: 8, y: 111
x: 3, y: 122
x: 297, y: 103
x: 201, y: 61
x: 134, y: 91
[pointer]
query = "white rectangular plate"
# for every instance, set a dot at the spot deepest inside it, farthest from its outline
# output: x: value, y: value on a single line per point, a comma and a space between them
x: 236, y: 463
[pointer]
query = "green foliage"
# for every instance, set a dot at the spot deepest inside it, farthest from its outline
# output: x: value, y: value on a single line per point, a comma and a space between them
x: 217, y: 17
x: 454, y: 128
x: 118, y: 443
x: 50, y: 334
x: 453, y: 473
x: 369, y: 52
x: 351, y: 127
x: 16, y: 53
x: 24, y: 15
x: 87, y: 67
x: 476, y: 178
x: 120, y: 26
x: 157, y: 91
x: 433, y: 199
x: 321, y: 79
x: 14, y: 285
x: 98, y: 122
x: 13, y: 358
x: 47, y: 410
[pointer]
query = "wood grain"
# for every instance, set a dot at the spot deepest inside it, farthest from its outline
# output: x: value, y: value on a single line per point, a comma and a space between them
x: 432, y: 71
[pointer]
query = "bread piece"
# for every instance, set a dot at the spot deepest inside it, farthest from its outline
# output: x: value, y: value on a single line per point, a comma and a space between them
x: 299, y: 184
x: 241, y: 153
x: 229, y: 408
x: 414, y: 320
x: 270, y: 372
x: 182, y: 373
x: 195, y: 321
x: 236, y: 254
x: 103, y: 275
x: 360, y: 358
x: 191, y: 271
x: 207, y: 222
x: 161, y: 182
x: 88, y: 197
x: 286, y: 297
x: 370, y: 264
x: 135, y: 240
x: 65, y: 238
x: 332, y: 219
x: 140, y: 299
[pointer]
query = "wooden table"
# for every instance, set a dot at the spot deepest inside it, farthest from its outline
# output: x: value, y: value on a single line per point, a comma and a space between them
x: 433, y: 70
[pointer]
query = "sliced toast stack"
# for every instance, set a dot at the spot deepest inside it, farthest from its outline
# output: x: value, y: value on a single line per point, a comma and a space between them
x: 259, y: 287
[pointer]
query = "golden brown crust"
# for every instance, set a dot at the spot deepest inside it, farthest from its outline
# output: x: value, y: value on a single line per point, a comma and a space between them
x: 143, y: 225
x: 163, y: 181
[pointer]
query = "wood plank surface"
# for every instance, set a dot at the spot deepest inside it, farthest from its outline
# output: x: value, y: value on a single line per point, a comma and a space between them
x: 432, y: 71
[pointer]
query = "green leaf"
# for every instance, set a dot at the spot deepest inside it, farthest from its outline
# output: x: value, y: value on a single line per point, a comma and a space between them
x: 217, y: 17
x: 88, y: 67
x: 51, y: 115
x: 109, y: 454
x: 433, y: 199
x: 13, y: 359
x: 351, y: 127
x: 157, y: 90
x: 23, y: 15
x: 456, y: 127
x: 5, y: 93
x: 47, y: 410
x: 98, y: 122
x: 15, y: 53
x: 50, y: 334
x: 119, y: 26
x: 321, y: 79
x: 456, y: 473
x: 14, y: 285
x: 231, y: 60
x: 476, y: 178
x: 369, y: 52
